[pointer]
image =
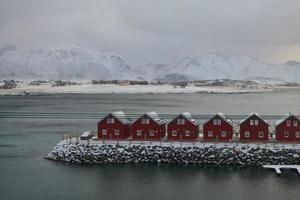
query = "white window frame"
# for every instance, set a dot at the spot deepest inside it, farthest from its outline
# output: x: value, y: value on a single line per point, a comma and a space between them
x: 187, y: 133
x: 139, y: 132
x: 174, y: 133
x: 108, y: 120
x: 210, y: 133
x: 286, y: 134
x: 104, y: 131
x: 182, y: 121
x: 151, y: 133
x: 219, y: 121
x: 256, y: 122
x: 295, y: 122
x: 223, y: 133
x: 178, y: 121
x: 215, y: 122
x: 297, y: 134
x: 251, y: 122
x: 143, y: 121
x: 147, y: 121
x: 261, y: 134
x: 247, y: 134
x: 288, y: 122
x: 117, y: 132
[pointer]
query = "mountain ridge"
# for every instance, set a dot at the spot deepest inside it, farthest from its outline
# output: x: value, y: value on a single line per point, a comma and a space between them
x: 73, y: 62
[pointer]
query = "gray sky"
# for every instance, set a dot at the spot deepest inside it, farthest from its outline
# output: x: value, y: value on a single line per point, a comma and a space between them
x: 158, y: 31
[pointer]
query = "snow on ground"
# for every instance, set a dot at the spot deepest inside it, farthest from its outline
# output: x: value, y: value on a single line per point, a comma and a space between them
x: 111, y: 88
x: 225, y: 154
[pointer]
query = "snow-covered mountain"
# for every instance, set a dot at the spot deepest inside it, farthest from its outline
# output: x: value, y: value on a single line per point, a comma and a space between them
x: 77, y: 63
x: 63, y: 62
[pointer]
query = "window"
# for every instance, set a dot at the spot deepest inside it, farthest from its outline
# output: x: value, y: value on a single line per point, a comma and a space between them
x: 219, y: 121
x: 223, y: 134
x: 117, y: 132
x: 295, y: 123
x: 210, y: 134
x: 180, y: 121
x: 251, y: 122
x: 143, y: 121
x: 104, y: 132
x: 288, y: 122
x: 256, y: 122
x: 139, y: 132
x: 297, y: 134
x: 215, y: 121
x: 151, y: 132
x: 174, y: 133
x: 147, y: 121
x: 110, y: 120
x: 187, y: 133
x: 286, y: 134
x: 247, y: 134
x: 260, y: 134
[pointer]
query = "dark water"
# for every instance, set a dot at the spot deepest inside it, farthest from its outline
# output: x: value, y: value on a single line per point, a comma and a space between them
x: 24, y: 174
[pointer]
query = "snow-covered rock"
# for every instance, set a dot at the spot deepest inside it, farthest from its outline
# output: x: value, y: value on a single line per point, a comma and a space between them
x: 219, y: 155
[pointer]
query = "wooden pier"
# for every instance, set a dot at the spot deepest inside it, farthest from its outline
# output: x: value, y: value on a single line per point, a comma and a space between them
x: 278, y: 168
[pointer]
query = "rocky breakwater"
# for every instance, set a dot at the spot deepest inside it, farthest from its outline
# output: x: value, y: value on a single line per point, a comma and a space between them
x: 219, y: 155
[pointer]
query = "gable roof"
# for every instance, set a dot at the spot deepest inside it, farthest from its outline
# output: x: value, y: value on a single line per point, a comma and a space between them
x: 254, y: 114
x: 120, y: 115
x: 189, y: 117
x: 155, y: 117
x: 222, y: 116
x: 285, y: 117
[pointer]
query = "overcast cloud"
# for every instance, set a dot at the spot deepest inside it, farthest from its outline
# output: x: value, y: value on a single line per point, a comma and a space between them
x: 157, y: 31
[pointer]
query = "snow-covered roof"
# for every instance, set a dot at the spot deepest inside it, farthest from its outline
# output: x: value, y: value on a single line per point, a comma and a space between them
x: 85, y: 134
x: 155, y: 117
x: 120, y: 115
x: 285, y: 117
x: 222, y: 116
x: 189, y: 117
x: 254, y: 114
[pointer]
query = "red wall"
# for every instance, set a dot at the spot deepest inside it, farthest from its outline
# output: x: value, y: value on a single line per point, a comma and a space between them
x: 124, y: 129
x: 194, y: 130
x: 262, y: 126
x: 159, y: 130
x: 217, y: 129
x: 280, y: 128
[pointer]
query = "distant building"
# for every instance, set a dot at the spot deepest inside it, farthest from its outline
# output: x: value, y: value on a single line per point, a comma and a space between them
x: 218, y: 128
x: 254, y: 128
x: 183, y: 127
x: 288, y: 128
x: 148, y: 127
x: 115, y: 125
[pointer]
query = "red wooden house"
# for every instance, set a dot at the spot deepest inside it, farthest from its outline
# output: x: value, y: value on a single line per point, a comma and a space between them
x: 148, y: 127
x: 183, y: 127
x: 114, y: 126
x: 254, y: 128
x: 288, y: 129
x: 218, y: 128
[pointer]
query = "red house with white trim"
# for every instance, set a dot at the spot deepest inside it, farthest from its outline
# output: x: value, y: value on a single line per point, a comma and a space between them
x: 218, y: 128
x: 148, y: 127
x: 183, y: 127
x: 288, y: 129
x: 115, y: 125
x: 254, y: 128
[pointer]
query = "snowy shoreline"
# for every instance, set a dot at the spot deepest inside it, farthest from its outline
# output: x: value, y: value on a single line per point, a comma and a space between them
x: 25, y: 89
x: 216, y: 154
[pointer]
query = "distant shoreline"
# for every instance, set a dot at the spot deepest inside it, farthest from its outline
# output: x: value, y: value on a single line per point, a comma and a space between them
x: 46, y: 89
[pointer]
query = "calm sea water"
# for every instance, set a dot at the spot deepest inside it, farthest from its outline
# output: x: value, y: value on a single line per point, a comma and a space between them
x: 24, y: 174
